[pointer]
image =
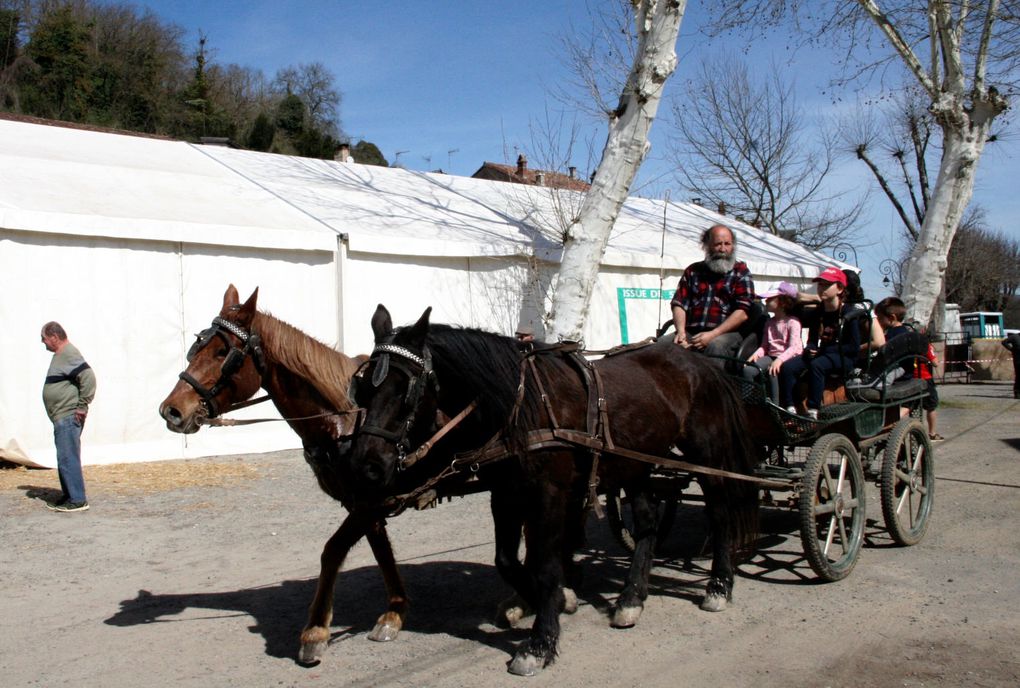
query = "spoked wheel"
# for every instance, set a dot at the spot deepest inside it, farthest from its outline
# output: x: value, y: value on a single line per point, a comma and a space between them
x: 622, y: 526
x: 832, y: 507
x: 908, y: 481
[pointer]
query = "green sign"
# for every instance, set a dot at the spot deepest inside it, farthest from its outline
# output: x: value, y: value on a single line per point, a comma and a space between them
x: 625, y: 293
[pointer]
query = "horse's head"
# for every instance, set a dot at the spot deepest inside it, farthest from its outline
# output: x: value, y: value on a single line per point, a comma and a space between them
x: 398, y: 391
x: 224, y: 367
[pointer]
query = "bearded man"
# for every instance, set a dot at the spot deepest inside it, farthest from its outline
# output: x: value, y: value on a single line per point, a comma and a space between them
x: 714, y: 297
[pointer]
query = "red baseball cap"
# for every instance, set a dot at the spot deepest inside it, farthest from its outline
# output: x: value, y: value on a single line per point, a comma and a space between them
x: 833, y: 275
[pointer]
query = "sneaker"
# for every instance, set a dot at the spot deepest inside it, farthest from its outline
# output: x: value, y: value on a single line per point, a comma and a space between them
x: 812, y: 414
x: 67, y: 507
x: 60, y: 502
x: 936, y: 438
x: 791, y: 409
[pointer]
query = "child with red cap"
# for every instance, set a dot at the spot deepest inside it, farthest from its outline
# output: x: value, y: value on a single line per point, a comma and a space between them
x: 832, y: 346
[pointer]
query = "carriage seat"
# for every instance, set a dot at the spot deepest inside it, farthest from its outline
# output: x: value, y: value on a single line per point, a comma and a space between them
x: 889, y: 374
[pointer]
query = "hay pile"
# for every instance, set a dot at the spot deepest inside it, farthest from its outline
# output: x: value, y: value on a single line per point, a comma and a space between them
x: 138, y: 478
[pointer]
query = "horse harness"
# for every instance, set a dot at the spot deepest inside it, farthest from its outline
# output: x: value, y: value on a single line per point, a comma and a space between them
x: 596, y: 438
x: 232, y: 362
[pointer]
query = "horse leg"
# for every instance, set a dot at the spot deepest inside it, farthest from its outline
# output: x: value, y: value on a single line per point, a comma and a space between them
x: 508, y: 522
x: 544, y: 560
x: 392, y: 620
x: 577, y: 515
x: 630, y: 603
x: 315, y: 635
x: 719, y: 591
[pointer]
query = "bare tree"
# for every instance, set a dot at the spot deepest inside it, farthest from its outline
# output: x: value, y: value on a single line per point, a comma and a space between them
x: 314, y: 84
x: 984, y: 266
x: 898, y: 145
x: 964, y: 56
x: 658, y: 24
x: 599, y: 59
x: 740, y: 143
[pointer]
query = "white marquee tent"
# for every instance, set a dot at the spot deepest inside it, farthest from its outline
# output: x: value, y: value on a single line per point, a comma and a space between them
x: 130, y: 242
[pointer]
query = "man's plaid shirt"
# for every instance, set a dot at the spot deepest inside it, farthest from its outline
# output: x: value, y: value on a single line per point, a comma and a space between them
x: 708, y: 297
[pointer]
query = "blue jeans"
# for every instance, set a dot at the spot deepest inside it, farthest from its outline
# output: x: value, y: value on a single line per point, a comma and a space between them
x: 67, y: 437
x: 818, y: 368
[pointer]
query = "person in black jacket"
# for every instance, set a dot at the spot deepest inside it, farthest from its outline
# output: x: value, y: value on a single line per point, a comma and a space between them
x: 1012, y: 344
x: 832, y: 344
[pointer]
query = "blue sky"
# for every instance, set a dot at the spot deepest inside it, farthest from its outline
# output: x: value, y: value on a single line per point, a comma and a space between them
x: 456, y: 82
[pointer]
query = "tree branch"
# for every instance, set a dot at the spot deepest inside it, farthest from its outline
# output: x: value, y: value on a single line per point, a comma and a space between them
x: 862, y: 154
x: 900, y: 46
x: 981, y: 64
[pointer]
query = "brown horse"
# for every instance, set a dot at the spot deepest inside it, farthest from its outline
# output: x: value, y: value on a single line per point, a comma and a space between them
x: 246, y: 349
x: 538, y: 411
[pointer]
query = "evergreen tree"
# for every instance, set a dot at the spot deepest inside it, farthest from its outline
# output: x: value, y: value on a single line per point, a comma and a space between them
x: 368, y: 153
x: 260, y: 137
x: 60, y: 85
x: 10, y: 24
x: 290, y: 116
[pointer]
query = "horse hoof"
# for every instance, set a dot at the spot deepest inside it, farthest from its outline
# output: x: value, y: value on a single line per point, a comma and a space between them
x: 569, y: 601
x: 386, y: 628
x: 626, y: 617
x: 525, y: 664
x: 511, y: 612
x: 313, y: 644
x: 714, y: 603
x: 311, y: 653
x: 383, y: 633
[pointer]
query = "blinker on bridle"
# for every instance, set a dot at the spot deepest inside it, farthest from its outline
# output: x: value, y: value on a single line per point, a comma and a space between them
x: 232, y: 362
x: 419, y: 373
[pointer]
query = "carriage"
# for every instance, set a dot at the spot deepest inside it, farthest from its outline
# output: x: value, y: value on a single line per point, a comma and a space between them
x: 868, y: 432
x: 443, y: 411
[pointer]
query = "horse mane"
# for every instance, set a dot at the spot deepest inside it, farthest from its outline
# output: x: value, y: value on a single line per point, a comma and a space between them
x: 486, y: 368
x: 329, y: 371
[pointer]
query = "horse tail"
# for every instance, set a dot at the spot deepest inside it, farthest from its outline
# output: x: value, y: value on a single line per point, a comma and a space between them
x: 739, y: 454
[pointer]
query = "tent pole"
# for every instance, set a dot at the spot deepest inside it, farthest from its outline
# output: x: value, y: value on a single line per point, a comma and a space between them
x: 340, y: 262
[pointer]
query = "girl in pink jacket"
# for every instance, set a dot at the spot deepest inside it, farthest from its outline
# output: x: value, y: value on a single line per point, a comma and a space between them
x: 782, y: 337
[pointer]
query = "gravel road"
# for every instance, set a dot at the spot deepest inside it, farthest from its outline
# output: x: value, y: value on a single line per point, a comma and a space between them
x: 209, y: 585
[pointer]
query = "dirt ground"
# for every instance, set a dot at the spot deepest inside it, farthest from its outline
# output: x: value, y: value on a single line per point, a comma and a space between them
x: 199, y: 573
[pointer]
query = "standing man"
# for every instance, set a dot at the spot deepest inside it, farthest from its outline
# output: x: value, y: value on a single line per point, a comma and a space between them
x: 1012, y: 344
x: 69, y: 389
x: 714, y: 297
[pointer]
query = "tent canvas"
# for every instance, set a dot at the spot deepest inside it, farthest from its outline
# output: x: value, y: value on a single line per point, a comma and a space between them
x: 130, y: 241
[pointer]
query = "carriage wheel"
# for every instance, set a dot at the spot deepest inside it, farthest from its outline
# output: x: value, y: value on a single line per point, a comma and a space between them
x: 832, y: 507
x: 622, y: 526
x: 908, y: 482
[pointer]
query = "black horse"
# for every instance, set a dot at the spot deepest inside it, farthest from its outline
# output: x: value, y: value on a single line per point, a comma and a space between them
x: 505, y: 401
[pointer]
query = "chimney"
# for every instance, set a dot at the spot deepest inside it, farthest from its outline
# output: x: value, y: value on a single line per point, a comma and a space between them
x: 343, y: 153
x: 722, y: 208
x: 540, y: 179
x: 572, y: 171
x: 522, y: 164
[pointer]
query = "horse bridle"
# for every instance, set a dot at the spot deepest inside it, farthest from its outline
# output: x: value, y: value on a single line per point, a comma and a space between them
x: 420, y: 375
x: 232, y: 362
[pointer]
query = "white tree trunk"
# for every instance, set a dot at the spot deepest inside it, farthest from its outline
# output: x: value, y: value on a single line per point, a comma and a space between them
x: 658, y: 24
x: 965, y: 113
x: 954, y: 186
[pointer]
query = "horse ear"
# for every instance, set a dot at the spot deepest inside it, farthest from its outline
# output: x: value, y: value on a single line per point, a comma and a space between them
x: 382, y: 323
x: 230, y: 297
x: 247, y: 311
x: 420, y: 329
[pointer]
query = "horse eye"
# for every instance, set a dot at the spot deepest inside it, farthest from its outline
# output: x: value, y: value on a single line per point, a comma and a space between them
x: 222, y: 353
